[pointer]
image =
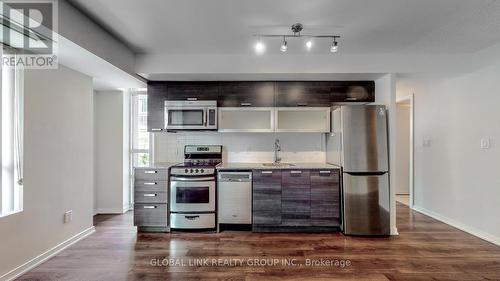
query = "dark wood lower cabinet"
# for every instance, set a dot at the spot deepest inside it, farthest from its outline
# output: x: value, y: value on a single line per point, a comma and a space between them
x: 296, y: 200
x: 325, y: 198
x: 266, y: 198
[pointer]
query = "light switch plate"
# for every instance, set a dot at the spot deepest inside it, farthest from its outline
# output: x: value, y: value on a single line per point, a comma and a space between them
x: 68, y: 216
x: 485, y: 143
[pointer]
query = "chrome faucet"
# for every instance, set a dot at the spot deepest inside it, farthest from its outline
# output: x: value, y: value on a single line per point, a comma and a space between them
x: 277, y: 149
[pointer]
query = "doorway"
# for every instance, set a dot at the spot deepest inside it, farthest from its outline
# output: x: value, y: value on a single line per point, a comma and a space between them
x: 404, y: 151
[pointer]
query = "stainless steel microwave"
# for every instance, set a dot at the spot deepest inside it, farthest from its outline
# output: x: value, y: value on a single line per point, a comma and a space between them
x: 190, y: 115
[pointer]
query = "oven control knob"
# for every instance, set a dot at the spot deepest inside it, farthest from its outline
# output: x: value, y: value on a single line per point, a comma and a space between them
x: 191, y: 170
x: 202, y: 170
x: 197, y: 171
x: 186, y: 170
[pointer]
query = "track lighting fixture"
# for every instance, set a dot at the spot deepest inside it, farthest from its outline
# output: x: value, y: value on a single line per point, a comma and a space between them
x: 296, y: 29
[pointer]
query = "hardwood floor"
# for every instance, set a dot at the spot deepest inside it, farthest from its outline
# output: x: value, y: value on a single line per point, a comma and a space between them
x: 425, y: 250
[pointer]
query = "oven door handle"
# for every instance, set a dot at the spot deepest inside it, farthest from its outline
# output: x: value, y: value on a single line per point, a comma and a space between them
x: 172, y: 179
x: 206, y: 117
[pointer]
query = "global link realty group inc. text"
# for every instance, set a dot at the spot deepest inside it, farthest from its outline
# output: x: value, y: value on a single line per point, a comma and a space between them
x: 256, y: 262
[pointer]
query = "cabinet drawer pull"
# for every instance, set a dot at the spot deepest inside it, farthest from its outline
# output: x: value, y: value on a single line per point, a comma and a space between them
x: 351, y: 98
x: 325, y: 172
x: 149, y: 207
x: 150, y: 183
x: 295, y: 172
x: 267, y: 172
x: 192, y: 99
x: 156, y: 129
x: 150, y: 172
x: 192, y: 217
x: 302, y: 104
x: 246, y: 104
x: 150, y: 195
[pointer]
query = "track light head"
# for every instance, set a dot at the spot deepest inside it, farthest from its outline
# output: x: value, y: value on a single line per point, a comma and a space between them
x: 284, y: 45
x: 260, y: 48
x: 309, y: 44
x: 335, y: 46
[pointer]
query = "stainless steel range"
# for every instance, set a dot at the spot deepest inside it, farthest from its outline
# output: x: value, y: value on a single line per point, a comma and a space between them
x: 192, y: 188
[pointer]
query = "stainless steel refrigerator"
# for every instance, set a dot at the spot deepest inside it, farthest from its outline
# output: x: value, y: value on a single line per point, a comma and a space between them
x: 359, y: 144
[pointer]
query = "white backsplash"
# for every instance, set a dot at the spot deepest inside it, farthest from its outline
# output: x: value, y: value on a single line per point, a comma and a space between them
x: 244, y: 147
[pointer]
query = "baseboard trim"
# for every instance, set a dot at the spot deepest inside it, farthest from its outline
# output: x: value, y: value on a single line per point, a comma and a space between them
x: 27, y: 266
x: 109, y: 211
x: 469, y: 229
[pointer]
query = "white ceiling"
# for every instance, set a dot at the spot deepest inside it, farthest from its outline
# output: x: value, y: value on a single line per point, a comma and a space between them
x: 370, y: 26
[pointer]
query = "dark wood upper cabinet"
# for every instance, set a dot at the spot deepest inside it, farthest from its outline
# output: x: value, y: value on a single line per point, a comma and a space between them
x: 257, y: 94
x: 193, y: 90
x: 353, y: 91
x: 305, y: 93
x: 157, y: 95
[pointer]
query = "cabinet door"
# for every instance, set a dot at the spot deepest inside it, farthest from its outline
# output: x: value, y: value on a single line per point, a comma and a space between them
x: 315, y: 94
x: 157, y: 95
x: 353, y: 91
x: 295, y: 200
x: 193, y: 91
x: 303, y: 119
x: 246, y: 119
x: 266, y: 197
x: 325, y: 198
x: 256, y: 94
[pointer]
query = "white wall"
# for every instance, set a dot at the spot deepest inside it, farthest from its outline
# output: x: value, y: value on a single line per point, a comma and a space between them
x: 244, y: 147
x: 385, y: 89
x: 402, y: 168
x: 111, y: 151
x: 58, y: 173
x: 455, y: 180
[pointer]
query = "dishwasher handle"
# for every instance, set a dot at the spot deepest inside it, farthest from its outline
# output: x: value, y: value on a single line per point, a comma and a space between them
x: 235, y: 177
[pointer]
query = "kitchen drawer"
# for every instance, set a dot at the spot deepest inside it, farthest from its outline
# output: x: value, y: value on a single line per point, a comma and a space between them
x: 192, y: 221
x: 151, y: 185
x: 150, y: 197
x: 325, y: 176
x: 295, y: 177
x: 150, y: 215
x: 147, y: 174
x: 266, y: 177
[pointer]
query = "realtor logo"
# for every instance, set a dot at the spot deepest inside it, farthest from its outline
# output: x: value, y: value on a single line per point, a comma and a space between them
x: 28, y: 34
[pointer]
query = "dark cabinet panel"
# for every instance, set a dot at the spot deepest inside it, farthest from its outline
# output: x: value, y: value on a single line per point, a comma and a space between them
x: 235, y: 94
x: 157, y: 95
x: 296, y: 200
x: 296, y: 195
x: 266, y: 198
x: 313, y: 94
x: 353, y: 91
x: 325, y: 198
x: 193, y: 90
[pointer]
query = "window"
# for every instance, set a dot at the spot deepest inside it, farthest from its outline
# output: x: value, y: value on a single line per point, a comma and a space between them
x: 140, y: 142
x: 11, y: 192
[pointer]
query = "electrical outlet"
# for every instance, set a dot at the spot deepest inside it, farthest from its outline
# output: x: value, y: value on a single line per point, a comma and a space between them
x: 68, y: 216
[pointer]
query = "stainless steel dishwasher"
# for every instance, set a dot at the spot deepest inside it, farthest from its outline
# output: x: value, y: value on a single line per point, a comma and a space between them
x: 234, y: 197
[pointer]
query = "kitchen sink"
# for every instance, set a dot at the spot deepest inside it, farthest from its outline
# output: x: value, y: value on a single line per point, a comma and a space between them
x: 278, y: 165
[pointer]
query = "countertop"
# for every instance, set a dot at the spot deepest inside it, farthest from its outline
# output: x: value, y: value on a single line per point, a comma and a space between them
x: 259, y: 166
x: 162, y: 165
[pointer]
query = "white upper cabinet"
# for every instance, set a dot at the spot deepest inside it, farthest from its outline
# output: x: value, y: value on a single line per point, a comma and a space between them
x: 302, y: 119
x: 246, y: 119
